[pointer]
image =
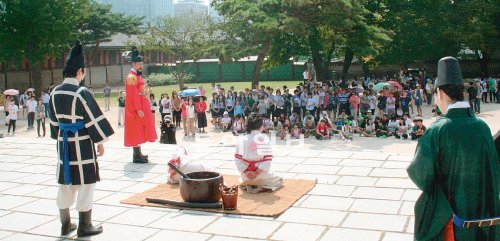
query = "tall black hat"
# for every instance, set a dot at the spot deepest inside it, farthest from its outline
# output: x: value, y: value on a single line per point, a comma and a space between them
x: 448, y: 72
x: 135, y: 57
x: 76, y: 57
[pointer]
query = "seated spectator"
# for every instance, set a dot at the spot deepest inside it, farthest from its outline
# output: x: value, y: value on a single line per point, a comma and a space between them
x: 346, y: 132
x: 369, y: 130
x: 418, y: 130
x: 309, y: 127
x: 296, y: 132
x: 393, y: 124
x: 401, y: 130
x: 268, y: 124
x: 308, y: 115
x: 226, y: 122
x: 278, y: 128
x: 322, y: 130
x: 381, y: 129
x: 239, y: 125
x: 340, y: 123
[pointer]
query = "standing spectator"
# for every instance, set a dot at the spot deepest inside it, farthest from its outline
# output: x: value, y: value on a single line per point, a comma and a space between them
x: 484, y: 90
x: 498, y: 90
x: 429, y: 90
x: 201, y: 108
x: 45, y: 101
x: 31, y: 106
x: 107, y: 95
x: 6, y: 106
x: 418, y: 97
x: 23, y: 98
x: 382, y: 103
x: 364, y: 103
x: 121, y: 108
x: 354, y: 104
x: 191, y: 115
x: 492, y: 89
x: 184, y: 116
x: 165, y: 106
x: 472, y: 92
x: 40, y: 117
x: 153, y: 105
x: 478, y: 97
x: 372, y: 100
x: 343, y: 99
x: 12, y: 118
x: 390, y: 105
x: 176, y: 108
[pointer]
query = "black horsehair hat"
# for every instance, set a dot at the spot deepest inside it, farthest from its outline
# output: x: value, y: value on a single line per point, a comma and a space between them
x: 135, y: 55
x: 76, y: 57
x: 448, y: 72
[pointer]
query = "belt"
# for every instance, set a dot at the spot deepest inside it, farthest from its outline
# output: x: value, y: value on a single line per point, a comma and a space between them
x: 457, y: 221
x: 252, y: 164
x: 66, y: 128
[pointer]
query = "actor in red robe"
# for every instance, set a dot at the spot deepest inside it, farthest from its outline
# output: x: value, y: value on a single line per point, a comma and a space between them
x: 139, y: 122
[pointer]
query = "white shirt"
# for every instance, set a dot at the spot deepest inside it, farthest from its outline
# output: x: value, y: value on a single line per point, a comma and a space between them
x: 31, y: 105
x: 190, y: 111
x: 457, y: 105
x: 13, y: 112
x: 45, y: 98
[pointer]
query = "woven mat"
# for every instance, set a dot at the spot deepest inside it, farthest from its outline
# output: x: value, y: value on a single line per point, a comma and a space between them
x: 269, y: 204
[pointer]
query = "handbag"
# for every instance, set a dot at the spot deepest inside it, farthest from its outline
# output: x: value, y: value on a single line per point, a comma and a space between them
x: 7, y: 120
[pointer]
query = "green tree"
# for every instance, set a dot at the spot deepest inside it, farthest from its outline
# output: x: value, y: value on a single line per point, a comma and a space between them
x: 478, y: 29
x: 424, y: 30
x: 330, y: 28
x: 252, y: 25
x: 32, y: 30
x: 186, y: 37
x: 101, y: 24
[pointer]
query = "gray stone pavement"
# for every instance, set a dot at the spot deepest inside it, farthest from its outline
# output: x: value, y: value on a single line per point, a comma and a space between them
x: 363, y: 192
x: 360, y: 195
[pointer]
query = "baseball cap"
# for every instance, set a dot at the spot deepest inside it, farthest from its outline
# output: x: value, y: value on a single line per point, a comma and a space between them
x: 225, y: 113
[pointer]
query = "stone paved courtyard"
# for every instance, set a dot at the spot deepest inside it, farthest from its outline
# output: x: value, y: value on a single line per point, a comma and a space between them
x: 359, y: 196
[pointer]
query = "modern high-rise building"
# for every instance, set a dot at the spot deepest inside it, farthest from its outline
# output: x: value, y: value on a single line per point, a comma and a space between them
x: 183, y: 7
x: 150, y: 9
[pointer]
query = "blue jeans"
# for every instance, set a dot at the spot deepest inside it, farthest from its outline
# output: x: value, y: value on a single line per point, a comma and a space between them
x: 477, y: 107
x: 47, y: 109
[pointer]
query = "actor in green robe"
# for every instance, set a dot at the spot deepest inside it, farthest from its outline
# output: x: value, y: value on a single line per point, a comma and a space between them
x: 456, y: 166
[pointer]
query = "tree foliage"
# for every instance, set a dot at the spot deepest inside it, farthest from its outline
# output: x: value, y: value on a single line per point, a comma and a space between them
x: 101, y: 24
x: 186, y: 37
x: 251, y: 25
x: 32, y: 30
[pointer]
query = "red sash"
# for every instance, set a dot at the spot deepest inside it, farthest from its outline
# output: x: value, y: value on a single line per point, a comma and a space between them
x: 252, y: 164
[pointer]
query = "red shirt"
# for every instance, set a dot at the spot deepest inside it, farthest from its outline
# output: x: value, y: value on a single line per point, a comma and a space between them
x: 200, y: 106
x: 322, y: 129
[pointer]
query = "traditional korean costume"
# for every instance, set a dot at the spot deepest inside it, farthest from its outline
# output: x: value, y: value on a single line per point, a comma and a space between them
x: 254, y: 153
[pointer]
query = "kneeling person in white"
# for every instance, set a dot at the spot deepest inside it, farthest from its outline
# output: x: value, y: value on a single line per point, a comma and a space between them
x: 253, y: 159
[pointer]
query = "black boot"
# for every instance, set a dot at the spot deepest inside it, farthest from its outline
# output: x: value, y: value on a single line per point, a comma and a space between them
x: 143, y: 156
x: 66, y: 225
x: 137, y: 158
x: 85, y: 227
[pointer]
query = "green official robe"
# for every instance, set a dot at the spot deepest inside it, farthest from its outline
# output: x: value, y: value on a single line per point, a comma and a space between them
x: 456, y: 160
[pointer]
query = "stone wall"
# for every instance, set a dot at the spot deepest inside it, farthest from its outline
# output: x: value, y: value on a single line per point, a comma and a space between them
x: 96, y: 76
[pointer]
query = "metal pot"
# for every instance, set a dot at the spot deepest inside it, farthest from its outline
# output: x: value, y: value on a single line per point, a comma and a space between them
x: 201, y: 187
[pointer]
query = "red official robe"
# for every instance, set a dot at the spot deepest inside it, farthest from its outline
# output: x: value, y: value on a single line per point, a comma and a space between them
x: 137, y: 130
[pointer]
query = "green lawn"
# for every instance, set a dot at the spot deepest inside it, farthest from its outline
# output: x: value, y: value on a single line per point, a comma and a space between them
x: 239, y: 86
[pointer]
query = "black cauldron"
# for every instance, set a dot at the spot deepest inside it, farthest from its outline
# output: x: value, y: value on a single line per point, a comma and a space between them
x: 201, y: 187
